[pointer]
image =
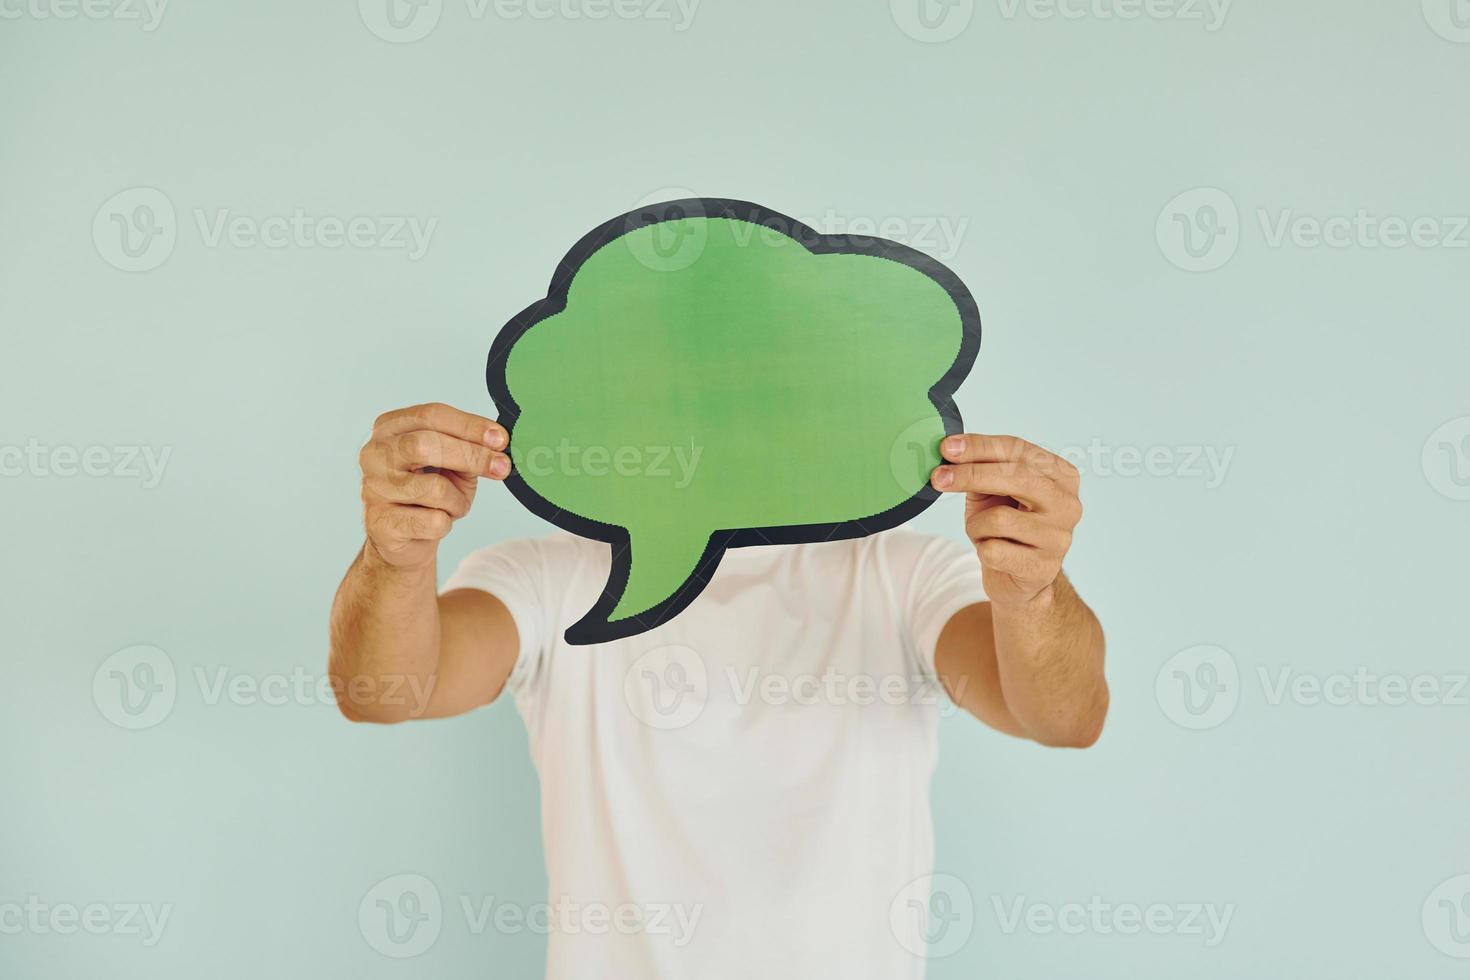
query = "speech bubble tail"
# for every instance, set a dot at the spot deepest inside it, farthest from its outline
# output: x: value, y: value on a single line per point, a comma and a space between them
x: 658, y: 569
x: 659, y: 575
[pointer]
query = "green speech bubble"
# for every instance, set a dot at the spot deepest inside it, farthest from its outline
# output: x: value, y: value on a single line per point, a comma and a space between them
x: 708, y: 374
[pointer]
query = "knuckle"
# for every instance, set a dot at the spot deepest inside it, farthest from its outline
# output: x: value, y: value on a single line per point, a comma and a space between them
x: 416, y: 415
x: 417, y: 446
x: 394, y: 519
x: 380, y: 522
x: 418, y: 487
x: 1007, y: 518
x: 1039, y: 459
x: 437, y: 491
x: 478, y: 457
x: 446, y: 498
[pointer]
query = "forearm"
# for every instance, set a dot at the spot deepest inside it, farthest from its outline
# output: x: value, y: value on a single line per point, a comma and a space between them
x: 385, y: 636
x: 1049, y: 655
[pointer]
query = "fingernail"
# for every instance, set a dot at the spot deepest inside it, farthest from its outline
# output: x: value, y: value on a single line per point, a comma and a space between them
x: 943, y: 477
x: 499, y: 466
x: 495, y: 438
x: 953, y: 446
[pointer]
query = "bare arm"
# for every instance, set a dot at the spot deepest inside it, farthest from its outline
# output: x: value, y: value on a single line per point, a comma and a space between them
x: 398, y: 650
x: 1030, y: 661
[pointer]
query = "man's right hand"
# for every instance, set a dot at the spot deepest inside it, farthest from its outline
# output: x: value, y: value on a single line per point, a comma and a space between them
x: 420, y: 469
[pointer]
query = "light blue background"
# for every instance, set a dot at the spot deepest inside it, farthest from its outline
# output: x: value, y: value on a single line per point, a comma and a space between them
x: 1056, y: 143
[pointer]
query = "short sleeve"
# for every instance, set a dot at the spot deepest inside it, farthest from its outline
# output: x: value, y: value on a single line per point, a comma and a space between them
x: 937, y: 578
x: 515, y: 573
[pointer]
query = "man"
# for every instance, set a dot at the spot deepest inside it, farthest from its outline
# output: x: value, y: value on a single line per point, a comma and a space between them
x: 742, y: 791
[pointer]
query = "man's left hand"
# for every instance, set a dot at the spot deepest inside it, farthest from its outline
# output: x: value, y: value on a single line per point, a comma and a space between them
x: 1021, y: 507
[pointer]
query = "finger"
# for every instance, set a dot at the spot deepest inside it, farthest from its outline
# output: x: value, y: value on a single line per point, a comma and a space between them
x: 977, y: 502
x: 1000, y: 555
x: 423, y: 489
x: 423, y: 448
x: 971, y: 447
x: 414, y: 451
x: 500, y: 467
x: 405, y: 522
x: 438, y: 417
x: 1003, y: 479
x: 974, y: 448
x: 1022, y: 527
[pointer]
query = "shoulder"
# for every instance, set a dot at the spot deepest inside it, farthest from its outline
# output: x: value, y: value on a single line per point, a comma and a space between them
x: 556, y: 557
x: 560, y: 545
x: 893, y: 561
x: 905, y: 550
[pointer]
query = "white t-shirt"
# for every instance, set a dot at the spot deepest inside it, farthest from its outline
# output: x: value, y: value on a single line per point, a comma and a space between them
x: 742, y: 792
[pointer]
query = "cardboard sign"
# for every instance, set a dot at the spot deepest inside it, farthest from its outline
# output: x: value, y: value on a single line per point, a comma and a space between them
x: 709, y: 374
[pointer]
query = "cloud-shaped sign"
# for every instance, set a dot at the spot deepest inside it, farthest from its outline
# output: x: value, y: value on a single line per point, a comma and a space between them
x: 709, y: 374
